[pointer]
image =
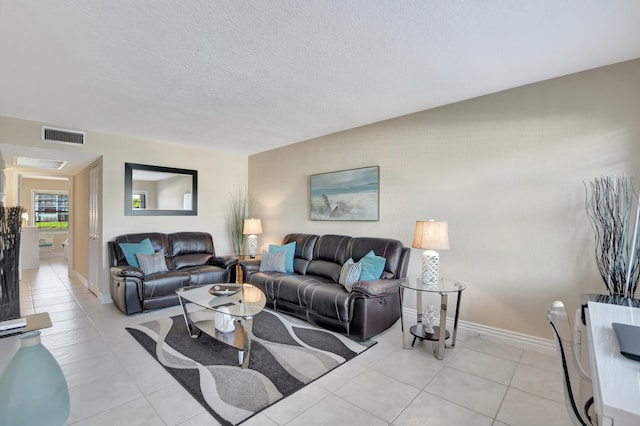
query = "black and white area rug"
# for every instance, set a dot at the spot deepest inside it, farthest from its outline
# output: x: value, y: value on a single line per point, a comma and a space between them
x: 286, y: 355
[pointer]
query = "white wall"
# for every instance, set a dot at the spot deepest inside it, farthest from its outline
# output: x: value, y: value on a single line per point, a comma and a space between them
x: 219, y: 175
x: 171, y: 192
x: 507, y: 172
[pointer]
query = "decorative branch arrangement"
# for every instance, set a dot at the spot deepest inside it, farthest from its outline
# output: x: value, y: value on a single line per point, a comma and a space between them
x: 609, y: 203
x: 236, y: 212
x: 10, y: 226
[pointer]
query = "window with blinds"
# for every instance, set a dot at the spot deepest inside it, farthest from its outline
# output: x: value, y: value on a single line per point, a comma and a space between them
x: 51, y: 211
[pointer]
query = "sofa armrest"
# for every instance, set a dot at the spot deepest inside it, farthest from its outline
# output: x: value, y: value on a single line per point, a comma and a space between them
x: 225, y: 262
x: 376, y: 287
x: 124, y: 271
x: 250, y: 266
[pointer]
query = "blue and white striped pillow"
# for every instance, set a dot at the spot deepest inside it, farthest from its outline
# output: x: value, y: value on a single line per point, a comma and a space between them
x: 152, y: 263
x: 350, y: 274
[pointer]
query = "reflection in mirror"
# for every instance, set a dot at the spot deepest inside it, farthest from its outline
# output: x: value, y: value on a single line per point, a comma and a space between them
x: 156, y: 191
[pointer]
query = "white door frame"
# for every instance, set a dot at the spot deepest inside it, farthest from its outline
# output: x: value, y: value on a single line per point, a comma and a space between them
x: 95, y: 230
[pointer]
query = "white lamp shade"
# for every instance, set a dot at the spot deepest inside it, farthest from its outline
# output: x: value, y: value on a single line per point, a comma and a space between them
x: 431, y: 235
x: 252, y: 227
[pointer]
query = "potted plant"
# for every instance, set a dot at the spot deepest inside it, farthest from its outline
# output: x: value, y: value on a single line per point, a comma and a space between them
x: 10, y: 227
x: 236, y: 212
x: 610, y: 202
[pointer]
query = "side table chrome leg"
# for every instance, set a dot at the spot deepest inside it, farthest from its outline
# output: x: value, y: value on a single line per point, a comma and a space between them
x: 400, y: 292
x: 439, y: 352
x: 419, y: 319
x: 455, y: 321
x: 187, y: 320
x: 419, y: 307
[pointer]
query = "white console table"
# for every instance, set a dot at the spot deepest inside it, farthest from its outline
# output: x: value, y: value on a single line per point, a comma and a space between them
x: 29, y: 248
x: 616, y: 381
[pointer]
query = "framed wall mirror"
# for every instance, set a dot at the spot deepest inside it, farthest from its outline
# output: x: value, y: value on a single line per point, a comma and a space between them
x: 159, y: 191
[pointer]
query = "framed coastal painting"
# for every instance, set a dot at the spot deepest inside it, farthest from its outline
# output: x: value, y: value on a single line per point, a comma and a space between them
x: 346, y: 195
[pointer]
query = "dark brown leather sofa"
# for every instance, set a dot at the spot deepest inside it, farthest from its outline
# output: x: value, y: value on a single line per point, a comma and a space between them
x: 312, y: 291
x: 190, y: 258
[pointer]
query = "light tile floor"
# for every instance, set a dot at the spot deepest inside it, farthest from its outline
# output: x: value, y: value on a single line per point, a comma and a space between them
x: 112, y: 380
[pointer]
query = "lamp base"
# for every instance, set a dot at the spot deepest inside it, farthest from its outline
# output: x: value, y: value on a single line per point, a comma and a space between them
x: 430, y: 266
x: 253, y: 245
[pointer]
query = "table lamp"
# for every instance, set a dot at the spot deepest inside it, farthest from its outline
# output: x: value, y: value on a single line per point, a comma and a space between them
x: 252, y: 227
x: 432, y: 236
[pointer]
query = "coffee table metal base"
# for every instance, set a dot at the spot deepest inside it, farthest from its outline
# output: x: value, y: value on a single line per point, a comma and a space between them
x: 202, y: 321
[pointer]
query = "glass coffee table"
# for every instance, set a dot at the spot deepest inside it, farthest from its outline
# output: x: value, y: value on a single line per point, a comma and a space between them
x: 241, y: 302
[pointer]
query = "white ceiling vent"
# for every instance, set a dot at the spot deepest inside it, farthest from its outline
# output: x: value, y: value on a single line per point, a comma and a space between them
x: 70, y: 137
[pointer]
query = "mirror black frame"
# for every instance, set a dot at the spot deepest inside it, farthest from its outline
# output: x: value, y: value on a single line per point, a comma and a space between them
x: 128, y: 191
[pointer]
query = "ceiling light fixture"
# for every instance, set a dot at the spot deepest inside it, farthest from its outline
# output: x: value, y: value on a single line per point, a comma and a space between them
x: 40, y: 163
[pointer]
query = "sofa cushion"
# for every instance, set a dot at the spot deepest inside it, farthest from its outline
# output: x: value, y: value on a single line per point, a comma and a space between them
x: 273, y: 262
x: 304, y: 250
x: 158, y: 241
x: 152, y: 263
x: 391, y: 250
x: 191, y: 249
x: 372, y: 266
x: 289, y: 249
x: 329, y: 300
x: 163, y: 283
x: 130, y: 250
x: 332, y: 248
x: 293, y: 288
x: 206, y: 274
x: 325, y: 269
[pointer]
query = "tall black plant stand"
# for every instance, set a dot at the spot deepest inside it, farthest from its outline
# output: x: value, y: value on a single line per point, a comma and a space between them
x: 10, y: 227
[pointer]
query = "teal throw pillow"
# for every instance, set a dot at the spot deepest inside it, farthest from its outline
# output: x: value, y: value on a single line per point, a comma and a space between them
x: 130, y: 251
x: 372, y: 266
x: 289, y: 249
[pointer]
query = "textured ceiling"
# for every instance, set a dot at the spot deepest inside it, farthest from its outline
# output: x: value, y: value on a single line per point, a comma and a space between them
x: 250, y: 76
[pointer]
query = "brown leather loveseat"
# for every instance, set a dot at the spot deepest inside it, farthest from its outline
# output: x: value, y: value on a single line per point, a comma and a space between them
x: 189, y: 257
x: 312, y: 291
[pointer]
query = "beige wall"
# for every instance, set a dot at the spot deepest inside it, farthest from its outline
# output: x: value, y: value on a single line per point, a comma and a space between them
x: 219, y: 175
x: 505, y: 170
x: 171, y: 192
x: 30, y: 184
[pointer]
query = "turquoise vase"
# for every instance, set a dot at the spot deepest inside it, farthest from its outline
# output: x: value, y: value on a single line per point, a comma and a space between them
x: 33, y: 390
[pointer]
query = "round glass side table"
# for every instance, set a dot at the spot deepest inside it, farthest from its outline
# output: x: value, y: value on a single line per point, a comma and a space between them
x: 444, y: 287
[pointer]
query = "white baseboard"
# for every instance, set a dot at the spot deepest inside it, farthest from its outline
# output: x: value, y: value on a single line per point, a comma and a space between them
x: 75, y: 275
x: 50, y: 254
x: 497, y: 335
